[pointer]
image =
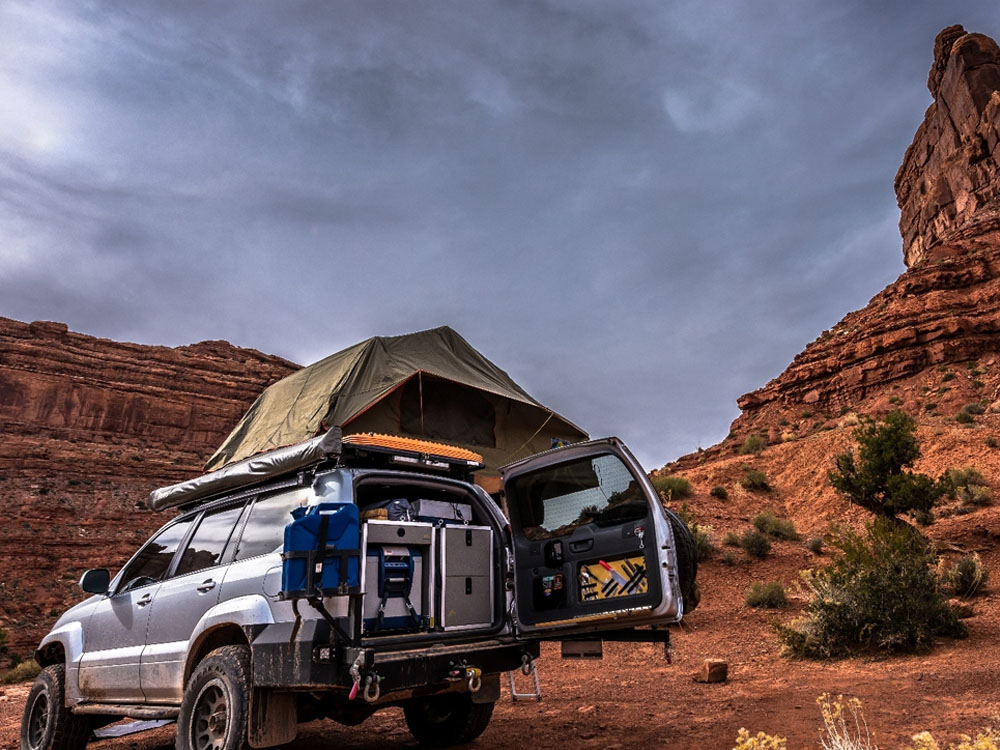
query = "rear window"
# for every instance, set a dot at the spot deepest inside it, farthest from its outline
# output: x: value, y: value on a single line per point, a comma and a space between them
x: 556, y: 500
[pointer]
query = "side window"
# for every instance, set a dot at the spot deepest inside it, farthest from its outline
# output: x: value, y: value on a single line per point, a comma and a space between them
x: 209, y: 541
x: 153, y: 560
x: 264, y: 531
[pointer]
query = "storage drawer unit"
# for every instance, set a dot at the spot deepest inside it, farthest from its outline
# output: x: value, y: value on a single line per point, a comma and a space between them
x: 467, y: 571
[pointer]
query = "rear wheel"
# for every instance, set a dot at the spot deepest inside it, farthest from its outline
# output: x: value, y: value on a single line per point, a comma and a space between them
x: 47, y: 723
x: 446, y: 720
x: 214, y: 708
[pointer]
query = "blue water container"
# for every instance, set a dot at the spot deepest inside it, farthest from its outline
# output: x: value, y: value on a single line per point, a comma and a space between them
x: 306, y: 543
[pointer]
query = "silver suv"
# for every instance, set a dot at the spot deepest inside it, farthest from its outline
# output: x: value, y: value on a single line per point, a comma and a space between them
x: 335, y: 578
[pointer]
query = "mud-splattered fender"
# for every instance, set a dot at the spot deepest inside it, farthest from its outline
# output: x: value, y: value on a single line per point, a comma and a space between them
x: 68, y: 635
x: 242, y: 612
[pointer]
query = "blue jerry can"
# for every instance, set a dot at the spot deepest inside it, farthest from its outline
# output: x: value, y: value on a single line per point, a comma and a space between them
x: 303, y: 536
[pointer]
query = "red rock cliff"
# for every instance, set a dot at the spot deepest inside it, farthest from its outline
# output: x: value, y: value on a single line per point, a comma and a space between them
x: 89, y: 426
x: 947, y: 186
x: 945, y: 310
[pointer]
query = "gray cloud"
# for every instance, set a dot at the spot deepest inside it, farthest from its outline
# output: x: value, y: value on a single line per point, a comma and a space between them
x: 640, y: 210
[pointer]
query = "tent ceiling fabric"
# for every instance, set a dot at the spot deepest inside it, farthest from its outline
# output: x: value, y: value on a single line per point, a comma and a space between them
x: 339, y: 388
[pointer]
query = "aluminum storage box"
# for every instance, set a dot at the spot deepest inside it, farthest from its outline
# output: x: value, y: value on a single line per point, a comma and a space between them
x: 467, y: 573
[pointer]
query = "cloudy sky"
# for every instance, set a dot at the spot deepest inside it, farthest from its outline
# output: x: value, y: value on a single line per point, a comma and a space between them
x: 640, y: 210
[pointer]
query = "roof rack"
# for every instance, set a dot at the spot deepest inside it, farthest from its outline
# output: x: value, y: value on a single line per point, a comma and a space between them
x: 367, y: 450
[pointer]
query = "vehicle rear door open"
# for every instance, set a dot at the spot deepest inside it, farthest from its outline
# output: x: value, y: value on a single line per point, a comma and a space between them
x: 593, y: 549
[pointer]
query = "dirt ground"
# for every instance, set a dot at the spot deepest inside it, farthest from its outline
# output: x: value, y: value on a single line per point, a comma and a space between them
x: 634, y: 699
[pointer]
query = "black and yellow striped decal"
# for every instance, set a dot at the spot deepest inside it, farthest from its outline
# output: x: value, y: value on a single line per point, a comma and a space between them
x: 627, y: 577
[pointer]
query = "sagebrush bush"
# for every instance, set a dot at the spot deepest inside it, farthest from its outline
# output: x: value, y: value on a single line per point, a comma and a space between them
x: 719, y: 492
x: 769, y: 595
x: 880, y: 594
x: 985, y: 739
x: 26, y: 670
x: 963, y: 417
x: 755, y: 481
x: 755, y: 543
x: 966, y: 576
x: 968, y: 486
x: 778, y: 528
x: 731, y: 539
x: 673, y: 486
x: 753, y: 444
x: 815, y: 545
x: 703, y: 546
x: 728, y: 558
x: 759, y: 741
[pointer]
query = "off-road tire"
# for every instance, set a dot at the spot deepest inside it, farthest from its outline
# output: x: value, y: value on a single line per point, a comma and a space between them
x: 687, y: 561
x: 446, y: 720
x: 47, y: 723
x: 216, y: 702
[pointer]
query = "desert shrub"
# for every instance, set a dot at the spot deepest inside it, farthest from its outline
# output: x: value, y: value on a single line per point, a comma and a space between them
x: 878, y: 480
x: 974, y: 408
x: 815, y: 545
x: 719, y: 492
x: 753, y: 444
x: 844, y: 725
x: 778, y: 528
x: 26, y: 670
x: 672, y: 486
x: 947, y: 376
x: 4, y: 635
x: 930, y: 406
x: 985, y: 739
x: 703, y: 546
x: 731, y: 539
x: 879, y: 594
x: 966, y: 577
x: 977, y: 383
x: 923, y: 517
x: 755, y: 544
x: 728, y: 558
x: 963, y: 417
x: 769, y: 595
x: 755, y: 481
x: 968, y: 486
x: 759, y: 741
x: 991, y: 442
x: 895, y: 400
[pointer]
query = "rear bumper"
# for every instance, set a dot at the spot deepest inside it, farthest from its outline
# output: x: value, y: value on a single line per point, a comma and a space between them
x: 310, y: 660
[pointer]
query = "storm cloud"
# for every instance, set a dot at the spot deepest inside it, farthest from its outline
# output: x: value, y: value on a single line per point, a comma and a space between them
x: 640, y: 210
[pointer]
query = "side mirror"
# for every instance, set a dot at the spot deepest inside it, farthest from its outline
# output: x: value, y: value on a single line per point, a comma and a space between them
x: 95, y: 581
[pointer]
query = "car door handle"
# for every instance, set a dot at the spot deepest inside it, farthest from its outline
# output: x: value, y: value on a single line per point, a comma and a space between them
x: 207, y: 586
x: 144, y: 601
x: 582, y: 546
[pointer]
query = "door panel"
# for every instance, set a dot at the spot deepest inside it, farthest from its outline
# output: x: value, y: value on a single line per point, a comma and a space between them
x: 181, y: 601
x: 115, y: 634
x: 113, y: 641
x: 592, y: 547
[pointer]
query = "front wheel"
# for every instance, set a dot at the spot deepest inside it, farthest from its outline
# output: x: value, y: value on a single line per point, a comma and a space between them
x: 446, y: 720
x: 47, y: 723
x: 214, y: 708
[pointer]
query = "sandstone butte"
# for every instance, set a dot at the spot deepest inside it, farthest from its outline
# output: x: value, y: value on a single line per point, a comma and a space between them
x: 91, y: 425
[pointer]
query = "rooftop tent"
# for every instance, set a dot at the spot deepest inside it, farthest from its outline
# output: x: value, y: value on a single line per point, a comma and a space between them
x: 430, y: 384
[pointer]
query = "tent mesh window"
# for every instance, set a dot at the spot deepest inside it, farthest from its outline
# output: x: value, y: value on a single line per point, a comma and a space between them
x: 443, y: 410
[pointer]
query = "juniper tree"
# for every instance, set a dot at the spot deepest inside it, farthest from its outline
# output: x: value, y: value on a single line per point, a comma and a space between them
x: 879, y: 479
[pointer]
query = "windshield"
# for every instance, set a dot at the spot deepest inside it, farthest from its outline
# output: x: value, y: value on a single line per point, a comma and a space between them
x: 556, y: 500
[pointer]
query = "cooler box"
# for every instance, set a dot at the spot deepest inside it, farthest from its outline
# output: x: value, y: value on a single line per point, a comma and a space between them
x: 398, y: 576
x: 313, y: 538
x: 394, y: 577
